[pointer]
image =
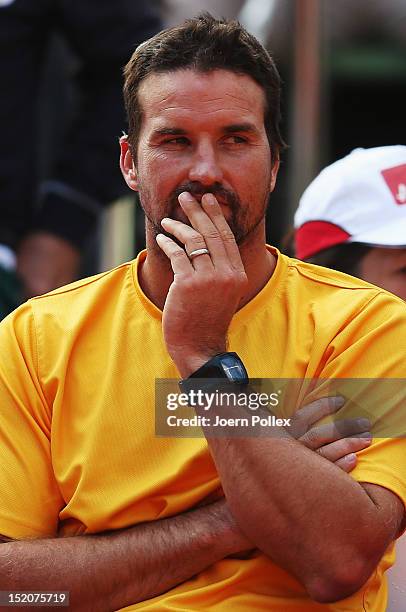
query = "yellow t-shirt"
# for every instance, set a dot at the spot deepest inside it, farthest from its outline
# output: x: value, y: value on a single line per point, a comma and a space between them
x: 77, y: 444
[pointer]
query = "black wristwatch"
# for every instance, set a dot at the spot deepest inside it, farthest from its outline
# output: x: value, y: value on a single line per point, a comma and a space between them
x: 226, y: 367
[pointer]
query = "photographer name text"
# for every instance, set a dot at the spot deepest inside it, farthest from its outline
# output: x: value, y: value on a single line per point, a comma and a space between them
x: 205, y: 421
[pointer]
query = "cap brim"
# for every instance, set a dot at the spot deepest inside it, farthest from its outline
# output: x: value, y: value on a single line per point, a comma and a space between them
x: 391, y: 235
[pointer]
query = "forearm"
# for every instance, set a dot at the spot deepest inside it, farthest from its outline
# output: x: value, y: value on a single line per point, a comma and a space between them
x: 110, y: 571
x: 302, y: 511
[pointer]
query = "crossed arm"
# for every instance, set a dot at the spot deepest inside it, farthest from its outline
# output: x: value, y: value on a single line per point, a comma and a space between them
x: 111, y: 570
x: 329, y: 531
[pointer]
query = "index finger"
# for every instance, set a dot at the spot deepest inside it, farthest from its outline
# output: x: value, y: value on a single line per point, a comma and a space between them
x: 323, y: 435
x: 213, y: 210
x: 202, y: 223
x: 315, y: 411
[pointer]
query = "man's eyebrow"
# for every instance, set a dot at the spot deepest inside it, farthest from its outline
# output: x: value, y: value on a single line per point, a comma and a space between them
x: 169, y: 131
x: 240, y: 127
x: 228, y: 129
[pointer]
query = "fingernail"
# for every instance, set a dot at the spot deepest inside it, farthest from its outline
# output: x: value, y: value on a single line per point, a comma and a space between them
x: 185, y: 196
x: 351, y: 458
x: 209, y: 198
x: 164, y: 220
x: 364, y: 424
x: 339, y: 400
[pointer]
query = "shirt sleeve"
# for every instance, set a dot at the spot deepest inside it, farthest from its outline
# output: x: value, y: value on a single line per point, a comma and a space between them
x: 369, y: 356
x: 30, y: 500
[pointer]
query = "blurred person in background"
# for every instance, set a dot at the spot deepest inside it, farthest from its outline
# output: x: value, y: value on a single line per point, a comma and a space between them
x: 352, y: 218
x: 43, y: 228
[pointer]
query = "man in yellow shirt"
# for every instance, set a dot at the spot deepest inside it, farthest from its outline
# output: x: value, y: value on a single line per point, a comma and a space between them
x: 79, y: 455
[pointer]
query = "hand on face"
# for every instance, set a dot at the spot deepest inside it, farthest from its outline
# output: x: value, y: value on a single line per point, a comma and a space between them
x: 206, y: 289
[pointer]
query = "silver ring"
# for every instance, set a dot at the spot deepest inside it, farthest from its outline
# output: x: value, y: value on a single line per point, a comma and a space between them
x: 198, y: 252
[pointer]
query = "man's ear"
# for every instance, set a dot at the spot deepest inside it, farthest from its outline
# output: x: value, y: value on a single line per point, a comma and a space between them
x: 274, y: 174
x: 127, y: 165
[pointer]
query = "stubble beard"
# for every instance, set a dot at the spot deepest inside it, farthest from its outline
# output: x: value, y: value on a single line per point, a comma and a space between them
x: 240, y: 224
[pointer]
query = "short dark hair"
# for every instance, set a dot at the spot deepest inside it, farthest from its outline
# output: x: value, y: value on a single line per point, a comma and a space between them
x: 345, y: 257
x: 205, y: 44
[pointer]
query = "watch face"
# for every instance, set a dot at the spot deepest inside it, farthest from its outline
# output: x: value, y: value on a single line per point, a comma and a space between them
x: 234, y: 369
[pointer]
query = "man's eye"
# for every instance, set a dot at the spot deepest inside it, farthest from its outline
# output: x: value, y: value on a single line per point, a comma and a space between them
x: 178, y: 141
x: 235, y: 140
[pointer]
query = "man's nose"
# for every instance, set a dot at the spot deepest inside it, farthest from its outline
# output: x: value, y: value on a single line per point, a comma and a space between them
x: 205, y: 168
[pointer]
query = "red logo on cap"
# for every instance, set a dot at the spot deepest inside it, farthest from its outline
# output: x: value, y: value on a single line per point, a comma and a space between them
x: 395, y: 178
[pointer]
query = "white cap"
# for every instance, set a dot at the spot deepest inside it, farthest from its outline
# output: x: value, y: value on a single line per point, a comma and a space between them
x: 359, y: 198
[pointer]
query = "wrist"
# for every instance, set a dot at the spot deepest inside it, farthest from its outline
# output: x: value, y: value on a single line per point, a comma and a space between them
x: 225, y: 367
x: 187, y: 364
x: 232, y: 538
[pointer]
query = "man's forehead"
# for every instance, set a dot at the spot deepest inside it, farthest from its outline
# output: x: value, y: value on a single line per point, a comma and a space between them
x: 206, y: 91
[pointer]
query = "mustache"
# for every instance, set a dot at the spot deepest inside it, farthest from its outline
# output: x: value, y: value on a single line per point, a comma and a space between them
x: 197, y: 189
